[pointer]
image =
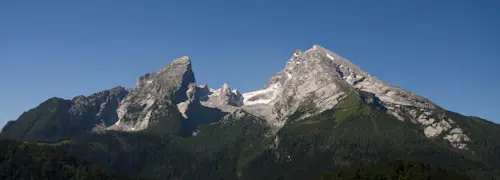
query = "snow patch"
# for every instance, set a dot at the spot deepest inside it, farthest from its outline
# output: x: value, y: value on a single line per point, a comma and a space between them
x: 263, y: 96
x: 351, y: 79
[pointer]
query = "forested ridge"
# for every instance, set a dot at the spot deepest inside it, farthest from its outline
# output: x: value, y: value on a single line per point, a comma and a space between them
x: 21, y: 160
x: 395, y: 170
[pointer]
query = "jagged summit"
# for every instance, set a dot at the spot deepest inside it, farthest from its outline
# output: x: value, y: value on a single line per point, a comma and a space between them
x: 224, y: 96
x: 225, y: 88
x: 183, y: 61
x: 153, y: 94
x: 320, y: 112
x: 315, y: 78
x: 174, y: 86
x: 312, y: 81
x: 320, y: 79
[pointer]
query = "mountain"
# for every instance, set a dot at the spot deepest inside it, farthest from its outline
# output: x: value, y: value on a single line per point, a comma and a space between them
x: 152, y: 99
x: 58, y: 119
x: 320, y: 113
x: 318, y: 79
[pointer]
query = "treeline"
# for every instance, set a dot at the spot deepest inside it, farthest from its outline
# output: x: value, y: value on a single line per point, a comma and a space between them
x: 397, y: 170
x: 20, y: 160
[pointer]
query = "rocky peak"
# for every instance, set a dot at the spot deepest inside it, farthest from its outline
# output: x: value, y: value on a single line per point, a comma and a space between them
x: 196, y: 111
x: 225, y: 96
x: 321, y: 73
x: 153, y: 93
x: 319, y: 79
x: 182, y: 63
x: 225, y: 88
x: 193, y: 100
x: 309, y: 79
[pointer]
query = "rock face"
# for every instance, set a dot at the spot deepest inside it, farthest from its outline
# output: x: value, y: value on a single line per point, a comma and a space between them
x: 318, y: 79
x: 169, y: 92
x: 325, y: 77
x: 312, y: 82
x: 192, y: 102
x: 319, y: 113
x: 154, y: 94
x: 106, y: 103
x: 309, y: 80
x: 225, y: 96
x: 57, y: 119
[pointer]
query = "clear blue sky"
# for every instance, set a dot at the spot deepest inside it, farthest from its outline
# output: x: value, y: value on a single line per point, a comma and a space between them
x: 447, y: 51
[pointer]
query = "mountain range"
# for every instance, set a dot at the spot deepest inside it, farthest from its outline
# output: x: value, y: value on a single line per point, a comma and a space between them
x: 319, y: 113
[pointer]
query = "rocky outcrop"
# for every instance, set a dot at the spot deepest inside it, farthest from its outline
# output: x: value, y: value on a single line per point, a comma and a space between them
x: 457, y: 138
x: 309, y: 79
x: 225, y: 96
x: 57, y: 119
x: 192, y: 102
x: 325, y: 77
x: 104, y: 103
x: 195, y: 112
x: 319, y: 79
x: 153, y: 96
x: 170, y: 91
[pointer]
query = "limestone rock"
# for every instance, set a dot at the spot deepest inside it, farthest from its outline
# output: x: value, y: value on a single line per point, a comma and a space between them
x: 154, y: 94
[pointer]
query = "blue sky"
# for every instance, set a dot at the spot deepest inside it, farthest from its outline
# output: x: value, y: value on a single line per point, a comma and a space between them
x: 447, y: 51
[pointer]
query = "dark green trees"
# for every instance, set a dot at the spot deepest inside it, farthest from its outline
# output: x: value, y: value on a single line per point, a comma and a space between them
x: 20, y: 160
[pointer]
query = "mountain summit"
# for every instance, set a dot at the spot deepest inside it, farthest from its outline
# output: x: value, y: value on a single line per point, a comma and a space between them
x: 319, y: 113
x: 319, y: 79
x: 312, y: 82
x: 153, y: 94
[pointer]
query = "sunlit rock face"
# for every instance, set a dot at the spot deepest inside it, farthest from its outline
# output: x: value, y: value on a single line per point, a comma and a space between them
x: 225, y: 96
x: 320, y: 79
x: 316, y: 79
x: 153, y: 94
